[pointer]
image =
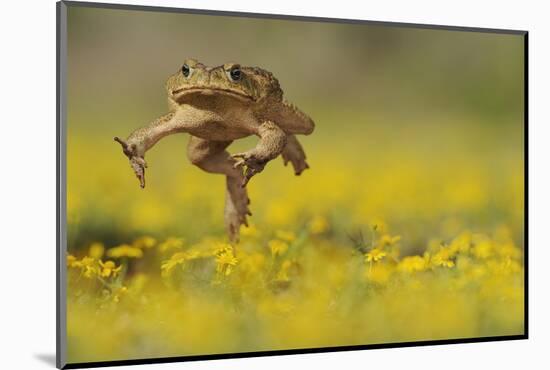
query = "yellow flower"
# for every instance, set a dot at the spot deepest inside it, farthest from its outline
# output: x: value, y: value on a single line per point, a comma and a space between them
x: 87, y: 264
x: 171, y: 243
x: 109, y: 268
x: 461, y: 244
x: 96, y: 250
x: 444, y: 263
x: 277, y: 247
x: 89, y: 267
x: 225, y: 260
x: 375, y: 255
x: 221, y: 248
x: 386, y: 240
x: 87, y: 261
x: 90, y: 271
x: 442, y: 258
x: 412, y: 264
x: 318, y: 225
x: 72, y: 261
x: 287, y: 236
x: 145, y: 242
x: 176, y: 259
x: 125, y: 250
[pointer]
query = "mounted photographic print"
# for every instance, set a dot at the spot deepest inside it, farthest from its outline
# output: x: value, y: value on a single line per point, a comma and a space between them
x: 234, y: 184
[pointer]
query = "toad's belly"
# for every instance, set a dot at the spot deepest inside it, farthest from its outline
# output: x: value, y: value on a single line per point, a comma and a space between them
x: 211, y: 125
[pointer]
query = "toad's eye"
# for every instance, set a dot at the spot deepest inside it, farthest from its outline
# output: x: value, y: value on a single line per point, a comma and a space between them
x: 235, y: 73
x: 185, y: 70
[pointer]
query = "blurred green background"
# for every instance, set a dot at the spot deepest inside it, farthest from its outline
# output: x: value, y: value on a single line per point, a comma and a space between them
x: 368, y: 70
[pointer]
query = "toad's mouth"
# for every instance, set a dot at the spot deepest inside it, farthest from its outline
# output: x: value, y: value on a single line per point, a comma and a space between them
x: 210, y: 91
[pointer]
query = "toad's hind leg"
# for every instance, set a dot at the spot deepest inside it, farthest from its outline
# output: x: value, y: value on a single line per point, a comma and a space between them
x: 212, y: 157
x: 294, y: 153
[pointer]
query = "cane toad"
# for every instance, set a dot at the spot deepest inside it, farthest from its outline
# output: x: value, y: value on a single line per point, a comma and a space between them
x: 217, y: 105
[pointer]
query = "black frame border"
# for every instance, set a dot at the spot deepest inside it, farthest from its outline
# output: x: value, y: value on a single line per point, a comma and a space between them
x: 61, y: 44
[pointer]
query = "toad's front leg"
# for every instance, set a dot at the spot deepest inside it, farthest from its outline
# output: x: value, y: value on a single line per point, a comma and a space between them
x: 144, y: 138
x: 271, y: 144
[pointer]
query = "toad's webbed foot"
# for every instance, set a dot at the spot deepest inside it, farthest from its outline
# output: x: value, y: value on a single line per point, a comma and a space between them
x: 294, y: 153
x: 137, y: 162
x: 236, y: 207
x: 251, y: 163
x: 271, y: 144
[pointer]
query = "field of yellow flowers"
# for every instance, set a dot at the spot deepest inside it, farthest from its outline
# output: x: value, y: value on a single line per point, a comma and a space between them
x: 385, y: 239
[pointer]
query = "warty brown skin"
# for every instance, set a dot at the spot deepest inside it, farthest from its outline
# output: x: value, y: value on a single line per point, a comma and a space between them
x: 217, y: 105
